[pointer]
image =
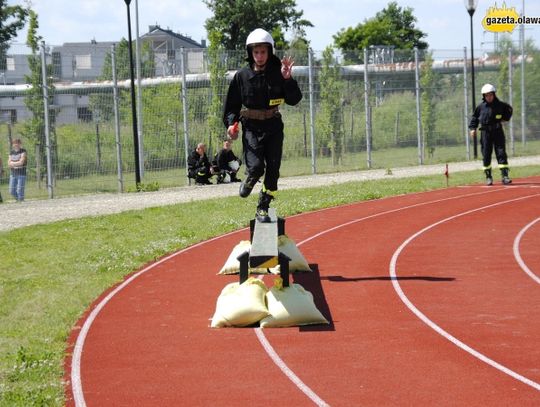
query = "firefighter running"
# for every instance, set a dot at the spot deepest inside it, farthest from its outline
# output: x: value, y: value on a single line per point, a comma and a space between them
x: 489, y: 115
x: 254, y: 96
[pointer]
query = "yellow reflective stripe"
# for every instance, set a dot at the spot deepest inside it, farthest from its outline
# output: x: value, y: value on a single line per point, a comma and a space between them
x: 486, y: 168
x: 276, y: 102
x: 268, y: 264
x: 501, y: 166
x: 267, y: 191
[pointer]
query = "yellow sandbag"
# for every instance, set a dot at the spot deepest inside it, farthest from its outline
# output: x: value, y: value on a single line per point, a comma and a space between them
x: 240, y: 304
x: 288, y: 247
x: 291, y: 306
x: 232, y: 265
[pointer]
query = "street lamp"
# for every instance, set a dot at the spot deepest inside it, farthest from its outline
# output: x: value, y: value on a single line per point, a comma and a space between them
x: 470, y: 5
x: 133, y: 105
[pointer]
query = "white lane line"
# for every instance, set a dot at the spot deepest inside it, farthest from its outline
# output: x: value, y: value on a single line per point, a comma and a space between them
x: 287, y: 371
x: 393, y: 211
x: 434, y: 326
x: 517, y: 254
x: 76, y: 381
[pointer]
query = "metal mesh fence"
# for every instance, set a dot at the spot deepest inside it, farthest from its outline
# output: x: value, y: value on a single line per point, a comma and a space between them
x: 394, y: 113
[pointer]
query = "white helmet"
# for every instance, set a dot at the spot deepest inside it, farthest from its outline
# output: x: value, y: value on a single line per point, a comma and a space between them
x: 259, y: 36
x: 488, y: 88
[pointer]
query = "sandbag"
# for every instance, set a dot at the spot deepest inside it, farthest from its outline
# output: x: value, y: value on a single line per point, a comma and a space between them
x: 240, y: 304
x: 288, y: 247
x: 232, y: 265
x: 291, y: 306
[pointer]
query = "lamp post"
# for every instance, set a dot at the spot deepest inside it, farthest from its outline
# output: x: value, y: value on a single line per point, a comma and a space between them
x: 133, y: 105
x: 470, y: 5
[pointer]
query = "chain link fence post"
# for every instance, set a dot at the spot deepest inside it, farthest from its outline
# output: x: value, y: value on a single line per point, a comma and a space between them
x: 367, y: 109
x: 312, y: 112
x: 46, y: 123
x: 117, y: 122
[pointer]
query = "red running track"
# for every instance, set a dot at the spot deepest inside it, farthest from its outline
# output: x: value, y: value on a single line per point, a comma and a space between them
x: 433, y: 298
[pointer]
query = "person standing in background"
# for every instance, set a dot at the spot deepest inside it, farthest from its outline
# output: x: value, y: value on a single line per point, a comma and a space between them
x: 489, y: 116
x: 17, y: 167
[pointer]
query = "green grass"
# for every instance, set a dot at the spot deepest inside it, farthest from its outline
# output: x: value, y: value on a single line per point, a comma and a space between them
x: 51, y: 273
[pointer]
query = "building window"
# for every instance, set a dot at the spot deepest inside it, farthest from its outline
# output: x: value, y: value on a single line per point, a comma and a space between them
x: 83, y: 61
x: 84, y: 114
x: 57, y: 64
x: 10, y: 64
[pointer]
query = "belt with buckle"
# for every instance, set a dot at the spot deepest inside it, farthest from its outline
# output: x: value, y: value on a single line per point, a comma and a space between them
x: 259, y: 114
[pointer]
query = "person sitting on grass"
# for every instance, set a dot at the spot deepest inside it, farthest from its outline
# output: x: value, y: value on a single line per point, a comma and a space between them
x: 227, y: 164
x: 199, y: 167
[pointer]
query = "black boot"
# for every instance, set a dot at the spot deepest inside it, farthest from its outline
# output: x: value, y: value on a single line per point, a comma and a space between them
x: 489, y: 178
x: 505, y: 178
x: 263, y: 206
x: 247, y: 186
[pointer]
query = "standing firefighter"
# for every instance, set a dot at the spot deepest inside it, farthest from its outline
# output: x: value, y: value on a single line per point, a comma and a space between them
x: 254, y: 96
x: 489, y: 115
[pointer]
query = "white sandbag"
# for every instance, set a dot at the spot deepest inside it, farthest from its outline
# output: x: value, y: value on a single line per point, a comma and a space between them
x: 240, y: 304
x: 288, y: 247
x: 291, y: 306
x: 232, y: 265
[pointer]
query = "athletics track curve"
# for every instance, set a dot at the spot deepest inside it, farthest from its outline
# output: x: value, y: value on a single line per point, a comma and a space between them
x: 455, y: 256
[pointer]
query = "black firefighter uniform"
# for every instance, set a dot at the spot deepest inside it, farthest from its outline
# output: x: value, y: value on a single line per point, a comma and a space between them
x: 489, y: 117
x: 253, y: 99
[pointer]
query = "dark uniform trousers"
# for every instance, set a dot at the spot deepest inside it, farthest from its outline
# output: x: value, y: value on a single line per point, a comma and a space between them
x: 262, y: 142
x: 492, y: 138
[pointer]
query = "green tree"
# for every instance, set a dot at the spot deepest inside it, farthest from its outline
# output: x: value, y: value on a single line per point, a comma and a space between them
x: 503, y: 47
x: 34, y: 129
x: 427, y: 86
x: 235, y: 19
x: 393, y: 26
x: 532, y: 88
x: 162, y: 112
x: 218, y: 71
x: 12, y: 20
x: 329, y: 123
x: 122, y: 62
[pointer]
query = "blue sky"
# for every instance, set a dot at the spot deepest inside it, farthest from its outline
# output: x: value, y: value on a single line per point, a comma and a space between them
x: 446, y: 22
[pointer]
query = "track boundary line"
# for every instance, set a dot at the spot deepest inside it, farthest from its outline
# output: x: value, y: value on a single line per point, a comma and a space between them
x: 517, y: 254
x: 287, y: 371
x: 433, y: 325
